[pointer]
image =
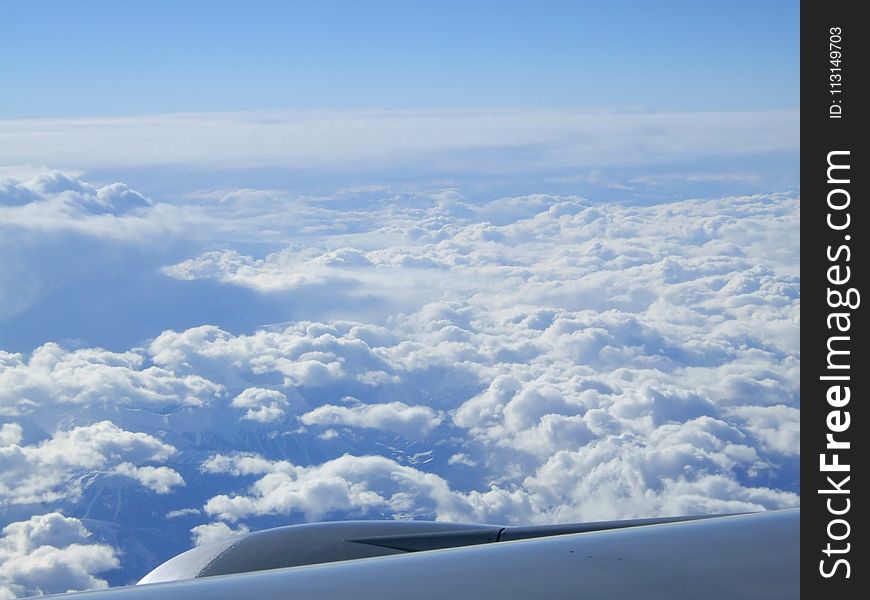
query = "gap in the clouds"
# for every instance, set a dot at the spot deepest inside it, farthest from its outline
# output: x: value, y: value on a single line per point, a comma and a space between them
x: 95, y: 293
x: 785, y: 475
x: 122, y: 310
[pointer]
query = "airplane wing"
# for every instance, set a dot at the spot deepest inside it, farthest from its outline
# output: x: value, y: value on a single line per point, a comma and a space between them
x: 729, y: 557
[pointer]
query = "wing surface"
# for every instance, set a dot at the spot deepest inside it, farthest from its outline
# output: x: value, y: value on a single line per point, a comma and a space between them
x: 729, y: 558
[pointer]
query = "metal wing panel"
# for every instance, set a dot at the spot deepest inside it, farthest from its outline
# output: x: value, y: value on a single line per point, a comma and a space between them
x: 729, y: 558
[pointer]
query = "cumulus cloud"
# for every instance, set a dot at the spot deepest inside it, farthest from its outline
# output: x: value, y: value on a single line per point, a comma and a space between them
x: 271, y: 274
x: 157, y: 479
x: 264, y: 405
x: 777, y: 427
x: 216, y: 532
x: 598, y: 482
x: 523, y: 359
x: 304, y: 354
x: 682, y: 468
x: 51, y: 469
x: 602, y: 369
x: 92, y: 377
x: 352, y: 485
x: 49, y: 554
x: 51, y: 200
x: 395, y: 417
x: 557, y: 335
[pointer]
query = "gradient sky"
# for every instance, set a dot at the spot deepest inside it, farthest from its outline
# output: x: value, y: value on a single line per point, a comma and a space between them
x: 67, y: 59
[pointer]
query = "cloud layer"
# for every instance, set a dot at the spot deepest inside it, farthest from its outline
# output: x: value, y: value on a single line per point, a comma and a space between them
x: 616, y: 361
x: 498, y: 140
x: 524, y: 359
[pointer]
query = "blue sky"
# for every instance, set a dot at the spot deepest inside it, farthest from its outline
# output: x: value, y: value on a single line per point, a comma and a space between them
x: 264, y: 263
x: 62, y: 59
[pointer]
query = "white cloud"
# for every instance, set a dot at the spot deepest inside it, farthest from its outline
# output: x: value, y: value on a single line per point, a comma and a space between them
x: 237, y: 464
x: 50, y: 554
x: 92, y: 377
x: 157, y: 479
x: 10, y: 433
x: 682, y: 468
x: 304, y: 353
x: 264, y: 405
x: 265, y: 414
x: 778, y: 427
x: 59, y: 200
x: 271, y: 274
x: 216, y: 532
x: 49, y: 470
x: 395, y: 417
x: 460, y: 458
x: 353, y: 485
x: 182, y: 512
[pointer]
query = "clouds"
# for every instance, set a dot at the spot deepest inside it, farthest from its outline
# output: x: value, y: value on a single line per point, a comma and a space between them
x: 215, y: 532
x: 395, y: 417
x: 452, y: 140
x: 777, y: 427
x: 229, y: 266
x: 92, y: 377
x: 52, y: 469
x: 577, y: 251
x: 351, y: 485
x: 264, y: 405
x: 49, y: 554
x: 613, y: 479
x: 158, y: 479
x: 10, y: 433
x: 686, y: 468
x: 52, y: 200
x: 304, y: 353
x: 520, y: 359
x: 618, y: 361
x: 565, y: 329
